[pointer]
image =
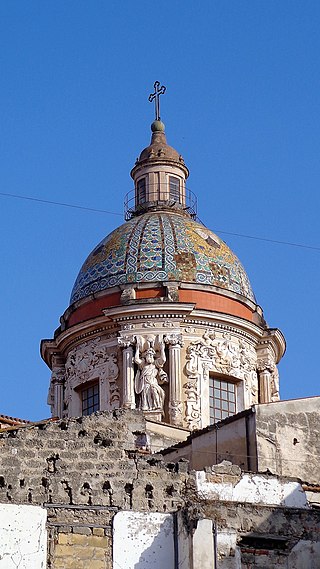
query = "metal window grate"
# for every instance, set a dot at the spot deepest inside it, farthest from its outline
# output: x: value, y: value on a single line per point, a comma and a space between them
x: 222, y: 399
x: 90, y: 399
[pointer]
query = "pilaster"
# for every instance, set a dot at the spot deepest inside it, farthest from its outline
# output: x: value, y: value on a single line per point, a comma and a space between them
x: 128, y: 372
x: 174, y: 342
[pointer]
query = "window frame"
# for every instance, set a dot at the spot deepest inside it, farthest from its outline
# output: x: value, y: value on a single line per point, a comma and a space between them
x: 224, y: 390
x: 175, y: 192
x: 142, y: 189
x: 95, y: 406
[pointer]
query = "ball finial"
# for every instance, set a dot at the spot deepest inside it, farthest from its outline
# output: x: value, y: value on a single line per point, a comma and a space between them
x: 157, y: 126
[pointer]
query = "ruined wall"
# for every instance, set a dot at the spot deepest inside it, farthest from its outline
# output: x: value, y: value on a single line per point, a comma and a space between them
x: 83, y: 471
x: 282, y: 437
x: 261, y: 521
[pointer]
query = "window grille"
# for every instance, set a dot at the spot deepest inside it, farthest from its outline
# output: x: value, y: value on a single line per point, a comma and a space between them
x: 90, y: 399
x: 222, y: 399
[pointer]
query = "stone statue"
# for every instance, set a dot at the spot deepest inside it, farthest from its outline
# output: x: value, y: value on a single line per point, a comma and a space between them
x: 150, y: 374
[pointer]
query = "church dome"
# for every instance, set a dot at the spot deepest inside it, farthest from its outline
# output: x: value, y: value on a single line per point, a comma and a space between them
x: 161, y: 246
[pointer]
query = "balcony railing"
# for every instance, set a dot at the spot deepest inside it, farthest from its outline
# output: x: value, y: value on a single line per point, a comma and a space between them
x: 159, y: 198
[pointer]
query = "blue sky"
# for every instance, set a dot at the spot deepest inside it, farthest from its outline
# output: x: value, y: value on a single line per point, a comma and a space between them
x: 242, y: 106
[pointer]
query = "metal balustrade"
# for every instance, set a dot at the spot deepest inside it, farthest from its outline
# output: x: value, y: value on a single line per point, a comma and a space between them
x: 159, y: 198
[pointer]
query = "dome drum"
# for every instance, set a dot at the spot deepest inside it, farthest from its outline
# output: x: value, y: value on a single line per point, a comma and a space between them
x: 189, y: 351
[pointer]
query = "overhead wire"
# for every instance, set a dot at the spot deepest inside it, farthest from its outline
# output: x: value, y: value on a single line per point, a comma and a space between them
x: 108, y: 212
x: 64, y: 204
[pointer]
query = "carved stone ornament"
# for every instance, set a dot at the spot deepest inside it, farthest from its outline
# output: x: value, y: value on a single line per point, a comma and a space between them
x: 112, y: 377
x: 275, y: 388
x: 192, y: 391
x: 190, y: 330
x: 174, y: 340
x: 126, y: 341
x: 149, y: 324
x: 173, y: 293
x: 224, y: 354
x: 57, y: 377
x: 92, y: 360
x: 176, y: 412
x: 267, y: 364
x: 129, y: 327
x: 168, y: 324
x: 127, y: 295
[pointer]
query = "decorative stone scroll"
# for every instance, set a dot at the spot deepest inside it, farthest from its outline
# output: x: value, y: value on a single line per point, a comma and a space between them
x: 89, y: 361
x: 192, y: 390
x: 224, y: 354
x: 172, y: 292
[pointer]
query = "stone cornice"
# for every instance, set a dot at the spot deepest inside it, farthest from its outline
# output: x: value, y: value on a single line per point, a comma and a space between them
x: 205, y: 316
x: 149, y: 310
x: 74, y: 335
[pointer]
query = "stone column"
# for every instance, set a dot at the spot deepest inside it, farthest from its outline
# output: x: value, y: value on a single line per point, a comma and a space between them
x: 265, y: 368
x: 57, y: 382
x: 128, y: 373
x: 174, y: 341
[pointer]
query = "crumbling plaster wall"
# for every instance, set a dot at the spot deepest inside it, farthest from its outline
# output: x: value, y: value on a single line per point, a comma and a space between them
x: 259, y: 523
x: 288, y: 440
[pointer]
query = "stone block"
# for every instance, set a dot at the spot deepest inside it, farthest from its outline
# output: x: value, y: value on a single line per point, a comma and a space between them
x: 82, y: 531
x: 98, y: 531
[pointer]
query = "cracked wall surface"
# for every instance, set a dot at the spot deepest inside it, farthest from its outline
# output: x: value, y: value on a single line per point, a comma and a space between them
x: 23, y: 537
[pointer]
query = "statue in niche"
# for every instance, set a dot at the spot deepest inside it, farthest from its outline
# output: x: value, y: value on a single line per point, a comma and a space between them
x: 150, y: 359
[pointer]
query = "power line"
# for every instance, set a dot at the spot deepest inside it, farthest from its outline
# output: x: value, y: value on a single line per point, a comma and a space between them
x: 59, y: 203
x: 270, y: 240
x: 98, y: 210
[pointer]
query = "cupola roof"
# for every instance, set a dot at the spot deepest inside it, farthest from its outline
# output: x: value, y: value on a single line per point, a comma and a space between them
x: 161, y: 246
x: 159, y: 150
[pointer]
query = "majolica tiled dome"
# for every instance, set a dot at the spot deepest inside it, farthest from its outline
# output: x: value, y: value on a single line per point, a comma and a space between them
x: 161, y: 246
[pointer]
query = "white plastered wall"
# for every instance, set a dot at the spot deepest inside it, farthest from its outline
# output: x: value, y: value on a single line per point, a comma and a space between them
x: 23, y: 537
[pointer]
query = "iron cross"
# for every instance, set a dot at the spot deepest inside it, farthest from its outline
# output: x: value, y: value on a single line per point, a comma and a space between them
x: 156, y: 97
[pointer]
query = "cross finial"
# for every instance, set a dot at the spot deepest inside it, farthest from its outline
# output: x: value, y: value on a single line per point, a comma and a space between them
x: 156, y: 97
